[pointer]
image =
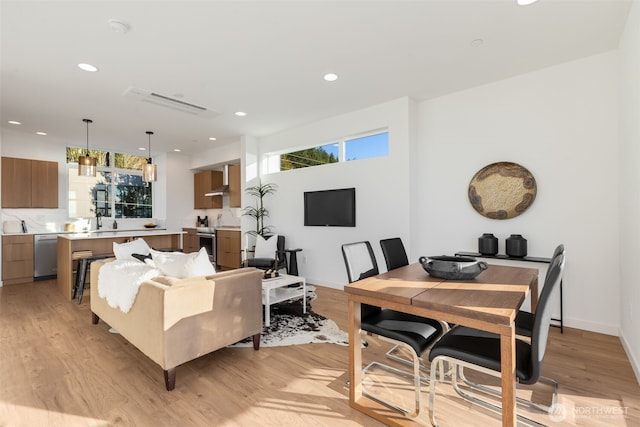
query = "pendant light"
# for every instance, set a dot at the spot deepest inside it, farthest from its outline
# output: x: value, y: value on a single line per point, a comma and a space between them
x: 87, y: 165
x: 150, y: 171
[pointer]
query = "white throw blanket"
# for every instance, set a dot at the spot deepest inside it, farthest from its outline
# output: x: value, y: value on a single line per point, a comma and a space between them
x: 119, y: 281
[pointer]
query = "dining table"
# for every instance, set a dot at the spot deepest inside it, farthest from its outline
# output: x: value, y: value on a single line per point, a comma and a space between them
x: 488, y: 302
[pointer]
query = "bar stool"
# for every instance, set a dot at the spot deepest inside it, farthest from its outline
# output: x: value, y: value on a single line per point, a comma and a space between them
x: 81, y: 274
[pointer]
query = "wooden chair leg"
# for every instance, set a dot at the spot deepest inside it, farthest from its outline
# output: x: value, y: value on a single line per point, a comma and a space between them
x: 170, y: 379
x: 256, y: 342
x: 94, y: 318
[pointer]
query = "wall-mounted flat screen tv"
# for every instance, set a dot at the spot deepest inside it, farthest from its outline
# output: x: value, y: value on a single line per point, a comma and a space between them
x: 330, y: 208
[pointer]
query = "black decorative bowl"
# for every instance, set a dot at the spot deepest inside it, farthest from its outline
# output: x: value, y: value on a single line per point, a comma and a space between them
x: 150, y: 225
x: 453, y: 267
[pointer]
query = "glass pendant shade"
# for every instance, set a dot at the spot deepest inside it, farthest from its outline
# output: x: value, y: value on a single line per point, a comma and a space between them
x: 87, y: 165
x: 149, y: 171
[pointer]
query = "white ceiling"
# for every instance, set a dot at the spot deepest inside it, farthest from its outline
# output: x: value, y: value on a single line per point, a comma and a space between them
x: 267, y: 58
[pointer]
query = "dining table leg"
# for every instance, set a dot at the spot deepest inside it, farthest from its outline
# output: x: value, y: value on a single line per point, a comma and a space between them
x: 508, y: 361
x: 355, y: 353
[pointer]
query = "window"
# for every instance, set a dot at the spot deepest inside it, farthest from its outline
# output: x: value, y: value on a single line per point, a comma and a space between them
x: 355, y: 148
x: 367, y: 146
x: 310, y: 157
x: 117, y: 190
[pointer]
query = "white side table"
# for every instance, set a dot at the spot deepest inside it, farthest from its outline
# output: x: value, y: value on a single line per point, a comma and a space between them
x: 276, y: 290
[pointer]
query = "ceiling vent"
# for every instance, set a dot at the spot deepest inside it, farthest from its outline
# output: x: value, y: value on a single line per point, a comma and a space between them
x: 168, y: 102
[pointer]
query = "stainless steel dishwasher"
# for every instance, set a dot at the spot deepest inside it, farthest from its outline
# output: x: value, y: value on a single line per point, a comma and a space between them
x: 45, y: 256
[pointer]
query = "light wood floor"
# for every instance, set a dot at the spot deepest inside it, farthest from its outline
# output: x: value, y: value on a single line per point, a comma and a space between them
x: 59, y: 370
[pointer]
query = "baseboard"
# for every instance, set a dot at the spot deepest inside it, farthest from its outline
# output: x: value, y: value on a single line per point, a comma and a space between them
x: 632, y: 358
x: 600, y: 328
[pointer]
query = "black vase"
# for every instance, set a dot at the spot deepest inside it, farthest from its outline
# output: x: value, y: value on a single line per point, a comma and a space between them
x: 488, y: 244
x: 516, y: 246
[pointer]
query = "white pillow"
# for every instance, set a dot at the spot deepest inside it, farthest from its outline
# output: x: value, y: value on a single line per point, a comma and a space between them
x: 266, y: 248
x: 198, y: 264
x: 180, y: 265
x: 124, y: 250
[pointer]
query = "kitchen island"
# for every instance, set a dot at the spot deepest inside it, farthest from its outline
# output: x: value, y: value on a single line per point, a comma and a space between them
x: 101, y: 243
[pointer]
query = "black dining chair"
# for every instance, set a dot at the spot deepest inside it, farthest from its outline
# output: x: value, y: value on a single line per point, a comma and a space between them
x: 416, y: 334
x: 464, y: 347
x: 394, y: 254
x: 524, y: 319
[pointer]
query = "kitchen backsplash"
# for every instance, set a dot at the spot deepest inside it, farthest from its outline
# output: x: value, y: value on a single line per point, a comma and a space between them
x: 54, y: 220
x: 228, y: 216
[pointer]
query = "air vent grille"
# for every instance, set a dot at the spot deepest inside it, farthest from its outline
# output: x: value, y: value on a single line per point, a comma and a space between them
x: 169, y: 102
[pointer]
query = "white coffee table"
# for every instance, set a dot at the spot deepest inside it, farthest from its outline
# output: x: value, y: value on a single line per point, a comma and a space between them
x: 276, y: 290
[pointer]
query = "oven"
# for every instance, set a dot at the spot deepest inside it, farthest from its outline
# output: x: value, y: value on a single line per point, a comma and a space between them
x: 208, y: 241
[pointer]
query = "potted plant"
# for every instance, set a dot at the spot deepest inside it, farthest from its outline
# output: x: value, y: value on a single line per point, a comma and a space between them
x: 259, y: 212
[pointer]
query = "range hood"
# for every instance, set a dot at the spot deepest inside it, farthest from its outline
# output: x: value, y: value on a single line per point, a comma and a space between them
x: 219, y: 191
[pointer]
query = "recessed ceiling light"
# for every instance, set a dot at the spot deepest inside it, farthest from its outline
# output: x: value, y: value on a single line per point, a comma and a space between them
x: 41, y: 133
x: 177, y: 150
x: 142, y: 149
x: 212, y: 138
x: 13, y: 122
x: 330, y: 77
x: 477, y: 42
x: 240, y: 113
x: 526, y: 2
x: 88, y: 67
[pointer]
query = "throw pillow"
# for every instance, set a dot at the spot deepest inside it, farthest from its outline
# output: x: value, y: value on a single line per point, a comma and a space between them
x: 141, y: 257
x: 181, y: 265
x: 198, y: 264
x: 266, y: 248
x: 126, y: 250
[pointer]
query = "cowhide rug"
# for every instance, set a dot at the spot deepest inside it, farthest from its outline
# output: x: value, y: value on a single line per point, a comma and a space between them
x: 289, y: 326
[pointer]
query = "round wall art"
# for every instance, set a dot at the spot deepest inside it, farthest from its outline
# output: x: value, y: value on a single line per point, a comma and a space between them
x: 502, y: 190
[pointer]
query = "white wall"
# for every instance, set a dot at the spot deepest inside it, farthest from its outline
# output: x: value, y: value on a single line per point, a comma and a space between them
x: 561, y: 124
x: 630, y: 187
x: 382, y: 189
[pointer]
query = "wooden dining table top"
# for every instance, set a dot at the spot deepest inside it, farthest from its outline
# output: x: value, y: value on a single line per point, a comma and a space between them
x: 494, y: 296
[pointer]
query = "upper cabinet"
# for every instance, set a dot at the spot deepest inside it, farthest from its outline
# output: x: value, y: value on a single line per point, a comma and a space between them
x: 235, y: 192
x: 204, y: 182
x: 29, y: 183
x: 209, y: 180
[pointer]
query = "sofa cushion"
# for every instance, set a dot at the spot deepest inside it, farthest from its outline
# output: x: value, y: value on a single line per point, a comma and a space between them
x: 126, y: 250
x: 181, y: 265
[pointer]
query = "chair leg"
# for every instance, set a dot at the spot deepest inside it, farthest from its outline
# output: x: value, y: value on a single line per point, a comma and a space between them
x: 416, y: 382
x: 456, y: 371
x: 544, y: 408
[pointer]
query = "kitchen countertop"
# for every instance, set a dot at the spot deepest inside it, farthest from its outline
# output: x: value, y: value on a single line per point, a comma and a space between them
x: 118, y: 233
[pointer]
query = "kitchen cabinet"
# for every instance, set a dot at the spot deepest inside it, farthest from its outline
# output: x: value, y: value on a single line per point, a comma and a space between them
x: 29, y: 183
x: 202, y: 183
x: 190, y: 241
x: 17, y: 259
x: 235, y: 190
x: 228, y: 249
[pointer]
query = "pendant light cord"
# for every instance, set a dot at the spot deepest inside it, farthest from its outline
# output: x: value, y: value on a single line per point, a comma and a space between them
x: 87, y: 121
x: 149, y: 133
